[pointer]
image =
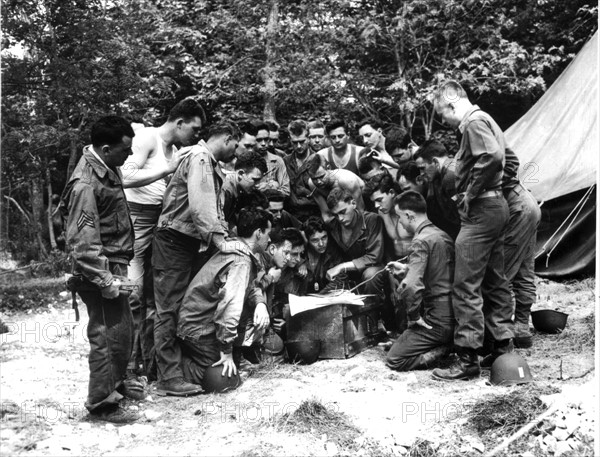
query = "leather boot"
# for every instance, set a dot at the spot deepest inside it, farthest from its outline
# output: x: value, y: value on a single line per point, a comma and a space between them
x: 466, y: 367
x: 431, y: 357
x: 523, y: 337
x: 500, y: 347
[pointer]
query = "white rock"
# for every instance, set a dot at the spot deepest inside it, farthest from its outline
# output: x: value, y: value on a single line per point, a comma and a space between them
x: 151, y: 414
x: 400, y: 450
x: 331, y: 448
x: 562, y: 447
x: 550, y: 441
x: 541, y: 444
x: 527, y: 454
x: 560, y: 423
x: 560, y: 434
x: 109, y: 427
x: 572, y: 423
x: 149, y: 398
x: 478, y: 444
x: 134, y: 407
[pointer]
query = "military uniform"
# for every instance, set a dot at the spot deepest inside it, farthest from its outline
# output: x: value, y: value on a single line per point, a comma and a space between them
x: 100, y: 238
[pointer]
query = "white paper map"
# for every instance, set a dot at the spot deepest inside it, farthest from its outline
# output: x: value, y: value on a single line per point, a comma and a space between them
x: 299, y: 304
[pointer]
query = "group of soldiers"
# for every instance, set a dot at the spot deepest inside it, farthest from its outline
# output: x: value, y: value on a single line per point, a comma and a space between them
x: 216, y: 233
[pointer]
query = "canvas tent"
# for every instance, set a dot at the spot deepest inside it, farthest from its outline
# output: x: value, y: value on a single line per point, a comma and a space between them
x: 557, y: 144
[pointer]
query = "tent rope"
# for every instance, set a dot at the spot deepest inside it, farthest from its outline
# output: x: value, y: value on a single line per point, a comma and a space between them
x: 578, y: 207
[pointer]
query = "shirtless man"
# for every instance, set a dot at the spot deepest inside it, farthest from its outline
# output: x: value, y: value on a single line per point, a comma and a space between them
x: 322, y: 181
x: 341, y: 153
x: 145, y: 175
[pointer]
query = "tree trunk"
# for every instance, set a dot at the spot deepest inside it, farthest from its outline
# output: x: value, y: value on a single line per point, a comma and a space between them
x: 37, y: 210
x: 269, y: 70
x: 72, y: 156
x: 50, y: 211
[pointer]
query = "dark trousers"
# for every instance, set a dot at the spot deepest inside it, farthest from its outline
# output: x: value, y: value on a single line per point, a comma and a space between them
x: 197, y: 356
x: 406, y: 352
x: 380, y: 285
x: 173, y: 263
x: 110, y: 333
x: 519, y: 249
x: 143, y: 307
x: 480, y: 264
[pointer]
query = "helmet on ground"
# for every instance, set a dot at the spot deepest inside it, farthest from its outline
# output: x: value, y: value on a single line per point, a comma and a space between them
x: 214, y: 382
x: 549, y: 320
x: 306, y: 351
x: 509, y: 369
x: 273, y: 344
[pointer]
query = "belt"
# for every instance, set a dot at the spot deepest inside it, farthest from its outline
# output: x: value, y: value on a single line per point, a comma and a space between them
x: 517, y: 189
x: 140, y: 207
x: 490, y: 193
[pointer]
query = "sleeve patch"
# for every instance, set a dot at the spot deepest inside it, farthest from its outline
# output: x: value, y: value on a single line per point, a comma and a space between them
x: 85, y: 219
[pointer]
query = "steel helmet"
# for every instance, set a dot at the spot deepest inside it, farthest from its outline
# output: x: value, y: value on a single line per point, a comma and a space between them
x: 549, y: 320
x: 214, y: 382
x: 509, y: 369
x: 306, y: 351
x: 273, y: 344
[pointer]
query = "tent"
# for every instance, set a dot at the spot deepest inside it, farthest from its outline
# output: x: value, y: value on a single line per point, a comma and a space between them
x: 557, y: 144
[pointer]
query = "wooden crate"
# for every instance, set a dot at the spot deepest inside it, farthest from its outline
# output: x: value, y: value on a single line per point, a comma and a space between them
x: 344, y: 330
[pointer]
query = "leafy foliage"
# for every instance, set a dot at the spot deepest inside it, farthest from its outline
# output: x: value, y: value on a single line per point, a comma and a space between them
x: 66, y: 63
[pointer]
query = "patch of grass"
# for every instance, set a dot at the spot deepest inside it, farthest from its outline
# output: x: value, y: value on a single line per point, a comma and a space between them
x: 505, y: 414
x: 422, y: 448
x: 581, y: 335
x: 316, y: 419
x: 29, y: 293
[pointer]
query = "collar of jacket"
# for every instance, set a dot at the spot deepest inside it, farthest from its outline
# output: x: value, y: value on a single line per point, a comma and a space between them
x: 358, y: 229
x: 465, y: 120
x: 422, y: 226
x: 99, y: 167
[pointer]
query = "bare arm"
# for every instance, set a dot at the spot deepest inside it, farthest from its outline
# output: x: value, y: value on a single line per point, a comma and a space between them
x: 144, y: 145
x: 321, y: 202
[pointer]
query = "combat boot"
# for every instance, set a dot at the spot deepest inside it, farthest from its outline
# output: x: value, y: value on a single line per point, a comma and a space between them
x: 466, y: 367
x: 523, y: 337
x: 177, y: 387
x: 500, y: 347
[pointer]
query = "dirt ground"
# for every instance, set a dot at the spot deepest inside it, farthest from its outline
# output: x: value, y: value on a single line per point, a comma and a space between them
x: 44, y: 380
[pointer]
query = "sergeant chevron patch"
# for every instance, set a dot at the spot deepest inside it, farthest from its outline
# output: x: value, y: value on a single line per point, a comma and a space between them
x: 85, y: 219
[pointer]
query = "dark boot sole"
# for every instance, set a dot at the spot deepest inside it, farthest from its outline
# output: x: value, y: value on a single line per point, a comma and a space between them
x: 464, y: 378
x: 170, y: 393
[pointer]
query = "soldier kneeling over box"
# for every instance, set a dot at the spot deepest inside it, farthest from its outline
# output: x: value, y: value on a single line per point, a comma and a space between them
x: 427, y: 286
x: 220, y: 303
